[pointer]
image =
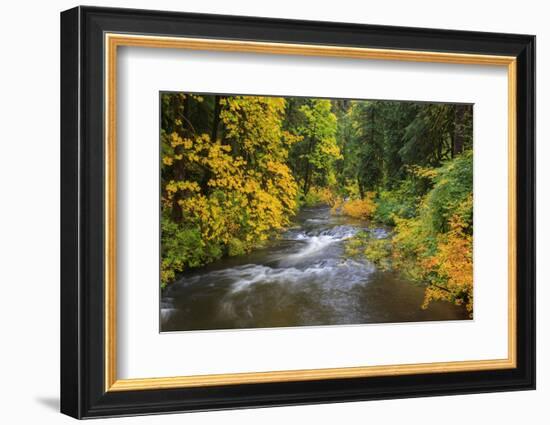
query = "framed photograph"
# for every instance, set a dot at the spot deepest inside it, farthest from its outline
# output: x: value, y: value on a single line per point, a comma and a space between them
x: 261, y: 212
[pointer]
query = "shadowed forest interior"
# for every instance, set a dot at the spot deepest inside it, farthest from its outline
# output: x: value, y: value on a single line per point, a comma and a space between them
x: 287, y: 211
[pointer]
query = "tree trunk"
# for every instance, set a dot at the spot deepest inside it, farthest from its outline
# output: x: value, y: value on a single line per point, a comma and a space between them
x: 361, y: 188
x: 216, y: 118
x: 179, y: 167
x: 307, y: 175
x: 207, y: 174
x: 305, y: 188
x: 459, y: 122
x: 372, y: 125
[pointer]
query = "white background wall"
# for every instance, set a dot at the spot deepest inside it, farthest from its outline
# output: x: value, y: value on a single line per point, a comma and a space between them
x: 29, y: 224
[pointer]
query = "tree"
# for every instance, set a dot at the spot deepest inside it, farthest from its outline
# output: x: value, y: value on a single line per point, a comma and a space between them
x: 318, y: 147
x: 428, y: 138
x: 225, y: 183
x: 462, y: 129
x: 369, y: 145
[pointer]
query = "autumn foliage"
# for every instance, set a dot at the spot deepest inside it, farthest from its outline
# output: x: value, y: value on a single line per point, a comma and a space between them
x: 435, y: 246
x: 452, y: 264
x: 360, y: 208
x: 223, y: 198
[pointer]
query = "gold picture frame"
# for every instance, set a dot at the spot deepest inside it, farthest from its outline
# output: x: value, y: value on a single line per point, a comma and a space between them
x: 114, y: 41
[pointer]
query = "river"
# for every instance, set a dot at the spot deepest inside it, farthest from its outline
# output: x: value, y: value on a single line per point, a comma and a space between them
x: 301, y: 279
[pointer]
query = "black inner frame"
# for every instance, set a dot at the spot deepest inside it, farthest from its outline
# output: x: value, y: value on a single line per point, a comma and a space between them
x: 82, y: 212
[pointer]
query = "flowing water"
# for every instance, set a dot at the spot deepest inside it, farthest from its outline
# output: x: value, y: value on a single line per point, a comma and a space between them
x: 302, y: 279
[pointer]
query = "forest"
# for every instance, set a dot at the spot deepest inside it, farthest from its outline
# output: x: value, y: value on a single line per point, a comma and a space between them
x: 236, y: 170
